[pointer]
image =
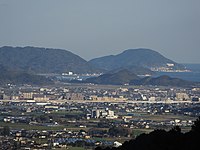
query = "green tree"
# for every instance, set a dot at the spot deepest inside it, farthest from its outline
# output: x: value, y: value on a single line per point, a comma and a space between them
x: 119, y: 131
x: 196, y: 126
x: 6, y: 131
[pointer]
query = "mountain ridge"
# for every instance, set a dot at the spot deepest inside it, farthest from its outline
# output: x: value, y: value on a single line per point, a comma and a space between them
x: 125, y: 77
x: 142, y: 57
x: 121, y: 77
x: 48, y: 60
x: 17, y: 77
x: 43, y: 60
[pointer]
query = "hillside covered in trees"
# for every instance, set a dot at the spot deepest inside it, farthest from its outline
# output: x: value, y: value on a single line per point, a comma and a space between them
x: 159, y: 139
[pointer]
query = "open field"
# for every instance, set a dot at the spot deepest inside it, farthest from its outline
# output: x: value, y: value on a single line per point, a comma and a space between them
x: 163, y: 117
x: 30, y: 127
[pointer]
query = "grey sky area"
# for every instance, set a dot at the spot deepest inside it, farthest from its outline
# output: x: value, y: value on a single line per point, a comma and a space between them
x: 93, y: 28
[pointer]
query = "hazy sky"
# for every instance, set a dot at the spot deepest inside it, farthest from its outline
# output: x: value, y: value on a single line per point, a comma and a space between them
x: 93, y: 28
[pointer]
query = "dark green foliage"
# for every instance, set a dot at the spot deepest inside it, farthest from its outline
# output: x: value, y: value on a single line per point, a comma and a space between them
x: 5, y: 131
x: 133, y: 57
x: 126, y: 77
x: 176, y: 130
x: 43, y: 119
x: 119, y: 78
x: 42, y: 60
x: 196, y: 126
x: 18, y: 77
x: 119, y: 131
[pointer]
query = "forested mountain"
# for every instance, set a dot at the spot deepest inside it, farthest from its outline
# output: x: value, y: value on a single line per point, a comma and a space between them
x: 118, y: 78
x: 144, y: 58
x: 127, y: 77
x: 18, y: 77
x: 43, y: 60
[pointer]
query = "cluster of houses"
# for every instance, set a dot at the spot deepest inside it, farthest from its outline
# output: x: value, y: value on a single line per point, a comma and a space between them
x: 151, y: 94
x: 90, y: 110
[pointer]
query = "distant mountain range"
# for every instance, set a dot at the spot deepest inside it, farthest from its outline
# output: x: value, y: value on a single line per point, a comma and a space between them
x: 43, y: 60
x: 21, y: 64
x: 143, y: 58
x: 17, y: 77
x: 125, y: 77
x: 46, y: 60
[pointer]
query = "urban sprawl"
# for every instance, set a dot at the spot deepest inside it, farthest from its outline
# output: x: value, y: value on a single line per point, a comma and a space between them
x: 88, y: 115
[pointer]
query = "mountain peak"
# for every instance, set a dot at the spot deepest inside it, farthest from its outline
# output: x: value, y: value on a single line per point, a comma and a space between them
x: 140, y: 57
x: 140, y: 50
x: 43, y: 60
x: 118, y: 78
